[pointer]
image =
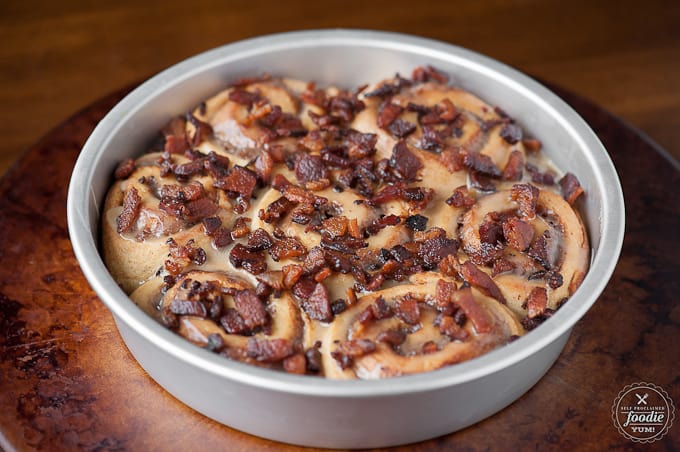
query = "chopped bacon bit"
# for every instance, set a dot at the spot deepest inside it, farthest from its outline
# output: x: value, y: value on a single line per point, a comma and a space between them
x: 345, y: 244
x: 518, y: 233
x: 303, y: 288
x: 269, y: 350
x: 353, y: 229
x: 501, y: 265
x: 443, y: 293
x: 322, y: 274
x: 432, y: 139
x: 513, y: 169
x: 131, y: 206
x: 408, y: 310
x: 360, y: 145
x: 301, y: 196
x: 295, y: 364
x: 452, y: 158
x: 387, y: 113
x: 241, y: 228
x: 264, y: 163
x: 430, y: 347
x: 401, y: 128
x: 416, y: 222
x: 389, y: 89
x: 202, y: 130
x: 433, y: 251
x: 338, y: 262
x: 481, y: 181
x: 425, y: 74
x: 310, y: 168
x: 393, y: 337
x: 175, y: 137
x: 536, y: 302
x: 232, y: 322
x: 477, y: 278
x: 314, y: 261
x: 291, y: 274
x: 473, y: 311
x: 272, y: 278
x: 545, y: 178
x: 338, y: 306
x: 188, y: 307
x: 356, y: 347
x: 317, y: 185
x: 182, y: 255
x: 317, y: 305
x: 275, y: 210
x: 532, y: 145
x: 538, y: 250
x: 526, y: 196
x: 124, y: 169
x: 211, y: 225
x: 240, y: 180
x: 382, y: 222
x: 243, y: 97
x: 554, y: 280
x: 461, y: 197
x: 380, y: 309
x: 288, y: 247
x: 335, y: 226
x: 405, y: 163
x: 252, y: 262
x: 222, y: 237
x: 259, y: 240
x: 199, y: 209
x: 481, y: 163
x: 511, y: 133
x: 313, y: 356
x: 448, y: 327
x: 250, y: 308
x: 490, y: 231
x: 571, y: 188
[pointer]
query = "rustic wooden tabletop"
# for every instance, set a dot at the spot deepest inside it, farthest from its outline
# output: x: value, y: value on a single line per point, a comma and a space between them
x: 61, y: 359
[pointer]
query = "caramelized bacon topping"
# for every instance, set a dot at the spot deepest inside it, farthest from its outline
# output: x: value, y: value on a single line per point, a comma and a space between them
x: 124, y: 169
x: 404, y: 162
x: 461, y: 197
x: 536, y: 302
x: 251, y: 309
x: 181, y: 256
x: 241, y: 181
x: 131, y: 206
x: 251, y: 261
x: 526, y: 196
x: 473, y: 311
x: 571, y: 188
x: 511, y: 133
x: 477, y: 278
x: 317, y: 305
x: 269, y: 350
x: 518, y: 233
x: 408, y: 310
x: 310, y: 168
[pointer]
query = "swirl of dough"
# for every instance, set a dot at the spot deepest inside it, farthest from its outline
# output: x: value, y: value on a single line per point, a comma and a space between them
x: 544, y: 246
x: 220, y: 311
x: 405, y: 330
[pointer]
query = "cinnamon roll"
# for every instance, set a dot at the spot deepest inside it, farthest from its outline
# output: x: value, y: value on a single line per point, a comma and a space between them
x: 388, y: 230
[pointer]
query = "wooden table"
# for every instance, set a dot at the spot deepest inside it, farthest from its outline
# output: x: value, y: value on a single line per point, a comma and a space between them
x: 66, y: 379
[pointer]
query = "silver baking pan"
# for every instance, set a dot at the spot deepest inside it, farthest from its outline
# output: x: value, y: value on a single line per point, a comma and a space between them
x: 314, y: 411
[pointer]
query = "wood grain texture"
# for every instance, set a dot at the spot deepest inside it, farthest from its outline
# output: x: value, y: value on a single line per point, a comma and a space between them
x: 57, y: 57
x: 67, y: 381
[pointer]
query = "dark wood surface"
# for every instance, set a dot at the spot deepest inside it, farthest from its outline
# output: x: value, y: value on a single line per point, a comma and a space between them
x: 59, y: 56
x: 68, y: 382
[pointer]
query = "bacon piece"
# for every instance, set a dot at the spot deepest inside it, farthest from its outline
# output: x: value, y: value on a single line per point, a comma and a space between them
x: 239, y: 180
x: 404, y: 163
x: 382, y: 222
x: 310, y: 168
x: 360, y: 145
x: 317, y: 305
x: 401, y: 128
x: 501, y: 265
x: 408, y: 310
x: 518, y: 233
x: 526, y: 196
x: 314, y: 261
x: 303, y: 288
x: 251, y: 309
x: 554, y: 280
x: 356, y: 347
x: 241, y: 227
x: 295, y: 364
x: 335, y: 226
x: 243, y: 97
x: 301, y: 196
x: 393, y: 337
x: 252, y: 262
x: 199, y: 209
x: 211, y: 225
x: 448, y: 327
x: 461, y: 197
x: 513, y: 169
x: 481, y: 163
x: 259, y: 240
x: 477, y: 278
x: 269, y: 350
x: 532, y: 145
x: 423, y: 74
x: 264, y: 163
x: 291, y: 274
x: 433, y: 251
x: 275, y: 210
x: 490, y: 231
x: 175, y: 137
x: 180, y: 306
x: 387, y: 113
x: 181, y: 256
x: 380, y: 309
x: 416, y: 222
x: 538, y: 250
x: 536, y: 302
x: 538, y: 177
x: 337, y: 262
x: 511, y: 133
x: 473, y: 311
x: 571, y: 188
x: 124, y: 169
x: 442, y: 296
x: 131, y: 206
x: 202, y: 130
x: 286, y: 248
x: 345, y: 244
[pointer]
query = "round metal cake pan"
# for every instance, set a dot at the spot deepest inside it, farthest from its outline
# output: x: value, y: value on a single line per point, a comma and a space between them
x: 313, y: 411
